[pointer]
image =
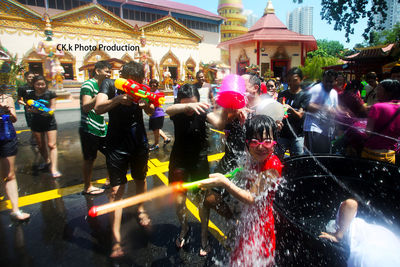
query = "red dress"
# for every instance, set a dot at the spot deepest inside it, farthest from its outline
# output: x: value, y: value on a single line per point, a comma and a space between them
x: 256, y: 245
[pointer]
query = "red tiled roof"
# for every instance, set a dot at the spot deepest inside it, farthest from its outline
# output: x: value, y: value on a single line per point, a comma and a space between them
x: 270, y: 28
x: 371, y: 52
x: 172, y: 6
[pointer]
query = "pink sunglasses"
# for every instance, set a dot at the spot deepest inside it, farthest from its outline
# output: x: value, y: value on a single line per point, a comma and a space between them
x: 267, y: 143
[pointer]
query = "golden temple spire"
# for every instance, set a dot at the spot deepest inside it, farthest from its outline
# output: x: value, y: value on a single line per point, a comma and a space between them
x: 269, y: 9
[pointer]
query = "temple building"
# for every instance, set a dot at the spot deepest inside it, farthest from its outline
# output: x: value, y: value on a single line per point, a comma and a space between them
x: 233, y: 26
x: 270, y: 45
x: 169, y: 37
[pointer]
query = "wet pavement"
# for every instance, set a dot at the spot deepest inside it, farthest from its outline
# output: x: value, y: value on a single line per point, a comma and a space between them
x: 59, y: 232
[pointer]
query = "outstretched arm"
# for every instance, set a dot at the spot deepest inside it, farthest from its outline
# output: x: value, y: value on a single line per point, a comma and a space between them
x: 198, y: 107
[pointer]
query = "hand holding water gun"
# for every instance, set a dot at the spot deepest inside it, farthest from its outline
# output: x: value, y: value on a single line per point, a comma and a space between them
x: 40, y: 106
x: 285, y: 108
x: 139, y: 91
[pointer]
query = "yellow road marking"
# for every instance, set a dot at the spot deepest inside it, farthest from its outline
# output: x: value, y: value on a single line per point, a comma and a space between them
x: 217, y: 131
x: 20, y: 131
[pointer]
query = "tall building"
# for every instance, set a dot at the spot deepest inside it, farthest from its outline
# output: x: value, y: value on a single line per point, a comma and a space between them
x: 300, y: 20
x: 233, y: 26
x: 251, y: 18
x: 393, y: 16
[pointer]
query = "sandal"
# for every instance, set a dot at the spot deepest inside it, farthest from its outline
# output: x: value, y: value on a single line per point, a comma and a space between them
x: 117, y: 251
x: 167, y: 141
x: 20, y: 216
x: 180, y: 242
x: 205, y: 250
x: 56, y: 174
x: 94, y: 191
x: 143, y: 219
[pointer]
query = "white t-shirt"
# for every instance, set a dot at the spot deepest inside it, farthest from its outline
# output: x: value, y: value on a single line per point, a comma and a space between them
x: 204, y: 91
x: 319, y: 121
x: 372, y: 245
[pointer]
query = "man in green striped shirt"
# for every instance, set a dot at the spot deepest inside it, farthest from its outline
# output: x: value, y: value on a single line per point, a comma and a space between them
x: 93, y: 128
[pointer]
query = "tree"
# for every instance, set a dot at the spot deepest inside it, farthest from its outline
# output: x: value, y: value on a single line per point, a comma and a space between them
x: 345, y: 14
x: 386, y: 36
x: 312, y: 69
x: 331, y: 48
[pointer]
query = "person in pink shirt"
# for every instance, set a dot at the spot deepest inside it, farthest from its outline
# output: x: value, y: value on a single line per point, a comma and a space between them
x: 384, y: 123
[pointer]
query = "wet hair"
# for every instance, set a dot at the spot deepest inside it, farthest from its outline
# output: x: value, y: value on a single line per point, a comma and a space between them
x: 39, y: 78
x: 370, y: 76
x: 256, y: 126
x: 100, y: 65
x: 392, y: 88
x: 354, y: 85
x: 188, y: 91
x: 395, y: 69
x: 153, y: 81
x: 26, y: 74
x: 330, y: 73
x: 133, y: 70
x: 295, y: 71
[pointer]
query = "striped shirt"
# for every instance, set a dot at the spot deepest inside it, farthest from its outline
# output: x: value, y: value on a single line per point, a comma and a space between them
x: 92, y: 122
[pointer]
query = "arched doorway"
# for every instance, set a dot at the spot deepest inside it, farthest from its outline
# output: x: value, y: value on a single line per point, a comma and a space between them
x: 68, y: 63
x: 190, y: 67
x: 280, y: 62
x: 171, y: 62
x: 33, y: 61
x: 92, y: 58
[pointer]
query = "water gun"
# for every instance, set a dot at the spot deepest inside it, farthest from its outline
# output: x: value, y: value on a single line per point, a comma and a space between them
x: 139, y: 91
x: 40, y: 106
x: 285, y: 108
x: 363, y: 91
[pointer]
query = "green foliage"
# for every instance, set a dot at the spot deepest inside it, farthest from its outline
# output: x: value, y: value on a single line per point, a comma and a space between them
x: 312, y: 69
x: 345, y: 14
x: 332, y: 48
x: 386, y: 36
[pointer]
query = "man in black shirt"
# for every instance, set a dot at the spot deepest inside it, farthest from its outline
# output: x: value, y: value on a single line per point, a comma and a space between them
x: 296, y: 101
x: 22, y: 93
x: 126, y: 144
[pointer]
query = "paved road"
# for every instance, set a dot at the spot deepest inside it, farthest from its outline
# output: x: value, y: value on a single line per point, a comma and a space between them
x: 60, y: 233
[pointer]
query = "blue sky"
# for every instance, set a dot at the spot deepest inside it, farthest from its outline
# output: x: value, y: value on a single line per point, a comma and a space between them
x: 321, y: 29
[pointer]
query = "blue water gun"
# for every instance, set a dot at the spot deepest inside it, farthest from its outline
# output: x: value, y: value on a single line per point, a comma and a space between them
x: 7, y: 131
x: 40, y: 106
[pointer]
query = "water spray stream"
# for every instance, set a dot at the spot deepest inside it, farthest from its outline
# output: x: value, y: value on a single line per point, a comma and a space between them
x: 149, y: 195
x: 340, y: 183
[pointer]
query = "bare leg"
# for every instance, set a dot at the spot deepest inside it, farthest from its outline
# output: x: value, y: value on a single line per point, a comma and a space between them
x: 115, y: 195
x: 180, y: 202
x: 52, y: 144
x: 87, y: 177
x: 156, y: 136
x: 214, y: 201
x: 144, y: 219
x: 11, y: 187
x: 41, y: 142
x: 163, y: 135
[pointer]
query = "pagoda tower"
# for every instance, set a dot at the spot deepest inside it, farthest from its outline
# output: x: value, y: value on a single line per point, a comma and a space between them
x: 233, y: 26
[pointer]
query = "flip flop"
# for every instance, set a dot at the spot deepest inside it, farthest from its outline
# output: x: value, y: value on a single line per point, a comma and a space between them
x: 93, y: 192
x: 117, y: 251
x: 143, y: 217
x: 20, y: 216
x: 56, y: 174
x: 180, y: 242
x: 205, y: 250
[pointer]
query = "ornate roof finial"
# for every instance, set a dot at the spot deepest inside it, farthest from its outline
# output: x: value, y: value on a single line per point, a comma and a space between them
x: 269, y: 9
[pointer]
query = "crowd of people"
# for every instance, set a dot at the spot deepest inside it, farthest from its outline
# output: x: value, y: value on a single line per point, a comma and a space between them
x: 316, y: 117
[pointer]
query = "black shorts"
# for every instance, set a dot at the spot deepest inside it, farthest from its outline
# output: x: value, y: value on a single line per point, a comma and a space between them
x: 182, y: 171
x: 91, y: 144
x: 8, y: 148
x: 43, y: 123
x: 156, y: 123
x: 118, y: 163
